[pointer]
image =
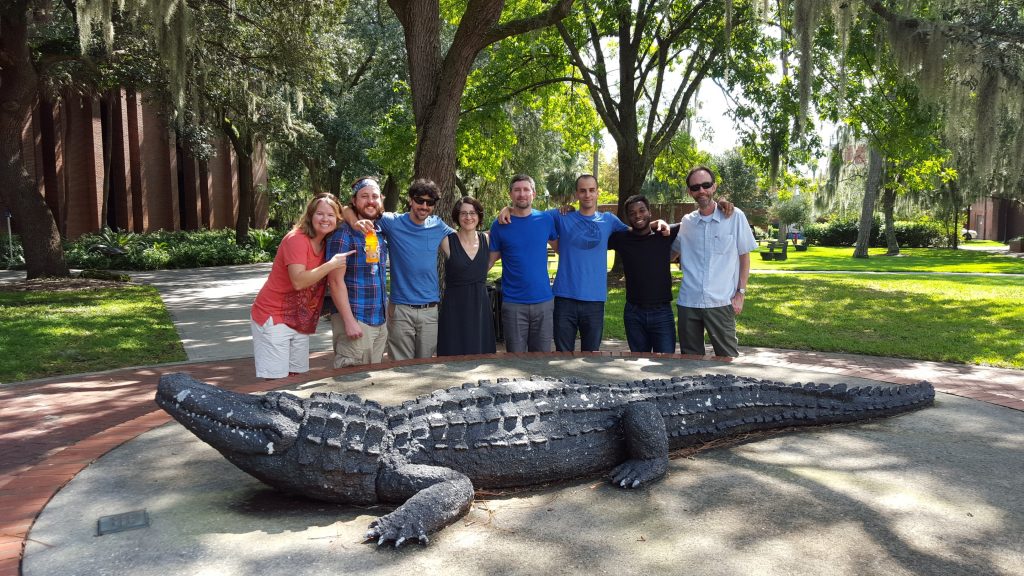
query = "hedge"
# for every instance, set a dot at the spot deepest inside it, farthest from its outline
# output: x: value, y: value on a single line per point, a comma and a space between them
x: 843, y: 232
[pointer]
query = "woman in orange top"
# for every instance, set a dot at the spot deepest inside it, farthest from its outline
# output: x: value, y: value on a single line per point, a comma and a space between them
x: 288, y: 306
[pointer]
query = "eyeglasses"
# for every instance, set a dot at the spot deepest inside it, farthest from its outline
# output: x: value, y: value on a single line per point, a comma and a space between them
x: 464, y: 214
x: 427, y: 201
x: 704, y: 185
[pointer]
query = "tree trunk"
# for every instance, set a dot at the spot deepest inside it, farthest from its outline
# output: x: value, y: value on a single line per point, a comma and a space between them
x: 435, y: 154
x: 868, y: 207
x: 956, y: 203
x: 40, y: 238
x: 334, y: 182
x: 246, y: 197
x: 242, y: 144
x: 888, y: 206
x: 437, y: 78
x: 632, y: 174
x: 108, y: 152
x: 391, y: 193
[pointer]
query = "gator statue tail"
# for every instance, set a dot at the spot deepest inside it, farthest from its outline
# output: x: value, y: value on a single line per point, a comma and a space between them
x: 430, y: 453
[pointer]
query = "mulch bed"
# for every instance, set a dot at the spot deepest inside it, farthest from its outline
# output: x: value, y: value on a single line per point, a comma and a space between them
x: 60, y: 285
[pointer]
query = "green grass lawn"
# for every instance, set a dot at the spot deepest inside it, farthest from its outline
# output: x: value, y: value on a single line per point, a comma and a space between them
x: 48, y: 333
x: 992, y: 243
x: 966, y: 319
x: 975, y: 320
x: 829, y: 258
x: 911, y: 260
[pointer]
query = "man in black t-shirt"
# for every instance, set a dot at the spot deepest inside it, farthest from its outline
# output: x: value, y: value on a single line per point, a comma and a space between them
x: 650, y: 325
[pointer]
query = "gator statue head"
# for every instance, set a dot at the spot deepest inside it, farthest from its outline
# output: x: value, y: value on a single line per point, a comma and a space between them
x: 430, y: 453
x: 273, y: 435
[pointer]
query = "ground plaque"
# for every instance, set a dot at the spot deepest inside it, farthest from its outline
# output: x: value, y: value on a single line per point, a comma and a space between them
x: 121, y: 522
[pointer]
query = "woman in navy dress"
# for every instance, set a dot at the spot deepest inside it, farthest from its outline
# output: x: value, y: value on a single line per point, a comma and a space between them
x: 466, y: 325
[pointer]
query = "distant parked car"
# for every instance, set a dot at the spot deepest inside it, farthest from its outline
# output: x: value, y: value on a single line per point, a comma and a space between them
x: 968, y: 234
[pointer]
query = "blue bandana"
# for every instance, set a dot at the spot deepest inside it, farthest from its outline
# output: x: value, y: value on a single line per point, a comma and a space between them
x: 363, y: 184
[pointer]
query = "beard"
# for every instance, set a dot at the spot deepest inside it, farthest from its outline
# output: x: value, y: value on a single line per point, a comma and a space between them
x: 368, y: 213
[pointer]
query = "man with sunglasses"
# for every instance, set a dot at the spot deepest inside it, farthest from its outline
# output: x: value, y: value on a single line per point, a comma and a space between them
x: 413, y: 240
x: 715, y: 257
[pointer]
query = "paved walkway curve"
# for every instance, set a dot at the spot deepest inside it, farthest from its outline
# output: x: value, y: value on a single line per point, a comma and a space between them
x: 51, y: 429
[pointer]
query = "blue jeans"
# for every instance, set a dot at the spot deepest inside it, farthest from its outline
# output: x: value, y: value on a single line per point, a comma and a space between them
x: 578, y: 315
x: 650, y: 328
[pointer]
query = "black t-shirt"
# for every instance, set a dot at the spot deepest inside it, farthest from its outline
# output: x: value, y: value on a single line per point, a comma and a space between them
x: 645, y: 263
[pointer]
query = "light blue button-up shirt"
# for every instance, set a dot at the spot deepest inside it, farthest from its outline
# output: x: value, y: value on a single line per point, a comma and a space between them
x: 710, y: 249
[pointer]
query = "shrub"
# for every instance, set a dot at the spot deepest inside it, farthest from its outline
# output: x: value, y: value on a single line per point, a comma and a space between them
x: 843, y: 232
x: 175, y: 249
x: 922, y: 234
x: 12, y: 255
x: 840, y: 232
x: 266, y: 239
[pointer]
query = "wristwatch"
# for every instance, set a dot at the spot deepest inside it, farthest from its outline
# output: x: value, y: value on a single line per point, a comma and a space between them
x: 742, y: 291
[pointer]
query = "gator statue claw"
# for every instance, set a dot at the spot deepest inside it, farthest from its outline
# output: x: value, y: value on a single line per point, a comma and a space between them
x: 430, y: 453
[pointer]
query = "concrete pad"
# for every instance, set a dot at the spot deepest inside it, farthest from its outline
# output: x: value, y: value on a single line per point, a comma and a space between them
x: 931, y: 492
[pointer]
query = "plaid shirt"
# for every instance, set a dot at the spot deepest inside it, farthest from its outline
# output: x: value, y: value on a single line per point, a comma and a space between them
x: 366, y: 283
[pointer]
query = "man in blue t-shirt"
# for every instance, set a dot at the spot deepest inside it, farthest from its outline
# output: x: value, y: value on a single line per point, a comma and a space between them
x: 581, y: 285
x: 413, y: 239
x: 522, y: 246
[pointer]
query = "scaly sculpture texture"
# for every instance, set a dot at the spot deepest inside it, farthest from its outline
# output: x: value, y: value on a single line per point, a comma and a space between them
x: 430, y: 453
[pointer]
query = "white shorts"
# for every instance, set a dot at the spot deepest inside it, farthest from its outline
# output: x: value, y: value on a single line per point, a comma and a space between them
x: 278, y: 349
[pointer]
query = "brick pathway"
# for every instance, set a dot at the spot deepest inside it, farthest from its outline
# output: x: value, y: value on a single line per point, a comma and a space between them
x: 52, y: 429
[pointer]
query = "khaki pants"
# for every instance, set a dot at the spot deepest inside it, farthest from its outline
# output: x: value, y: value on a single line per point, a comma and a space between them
x: 412, y: 332
x: 720, y: 324
x: 366, y: 350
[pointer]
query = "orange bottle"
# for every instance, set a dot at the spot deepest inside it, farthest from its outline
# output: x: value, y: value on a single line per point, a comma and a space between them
x: 372, y: 248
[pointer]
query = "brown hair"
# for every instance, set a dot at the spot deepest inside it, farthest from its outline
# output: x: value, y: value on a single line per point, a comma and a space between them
x: 523, y: 178
x: 472, y: 202
x: 701, y: 169
x: 305, y: 223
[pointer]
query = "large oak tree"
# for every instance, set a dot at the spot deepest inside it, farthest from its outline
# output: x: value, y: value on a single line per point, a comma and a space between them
x: 438, y: 73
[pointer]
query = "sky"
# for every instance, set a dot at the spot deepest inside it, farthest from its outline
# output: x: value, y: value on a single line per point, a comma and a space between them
x: 711, y: 106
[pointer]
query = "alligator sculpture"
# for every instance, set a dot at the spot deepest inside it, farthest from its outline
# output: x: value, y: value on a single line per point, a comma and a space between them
x: 430, y: 453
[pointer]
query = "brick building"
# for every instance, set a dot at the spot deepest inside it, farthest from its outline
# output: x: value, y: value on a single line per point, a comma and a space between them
x: 154, y: 183
x: 996, y: 219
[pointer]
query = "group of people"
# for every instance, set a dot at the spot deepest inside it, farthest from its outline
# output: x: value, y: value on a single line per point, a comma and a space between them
x: 350, y: 245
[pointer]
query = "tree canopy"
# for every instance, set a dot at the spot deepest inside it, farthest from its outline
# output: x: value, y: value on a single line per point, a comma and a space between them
x: 467, y: 93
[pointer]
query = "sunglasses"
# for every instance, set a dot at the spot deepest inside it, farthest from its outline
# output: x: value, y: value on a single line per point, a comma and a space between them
x: 704, y: 185
x: 427, y: 201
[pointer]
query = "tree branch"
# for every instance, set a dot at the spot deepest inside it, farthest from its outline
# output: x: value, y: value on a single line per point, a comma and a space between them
x: 527, y: 88
x: 555, y: 14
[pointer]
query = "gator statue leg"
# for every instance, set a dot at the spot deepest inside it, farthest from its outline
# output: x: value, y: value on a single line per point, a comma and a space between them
x: 429, y: 454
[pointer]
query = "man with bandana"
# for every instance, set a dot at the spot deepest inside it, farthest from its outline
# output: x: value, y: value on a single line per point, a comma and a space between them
x: 358, y: 302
